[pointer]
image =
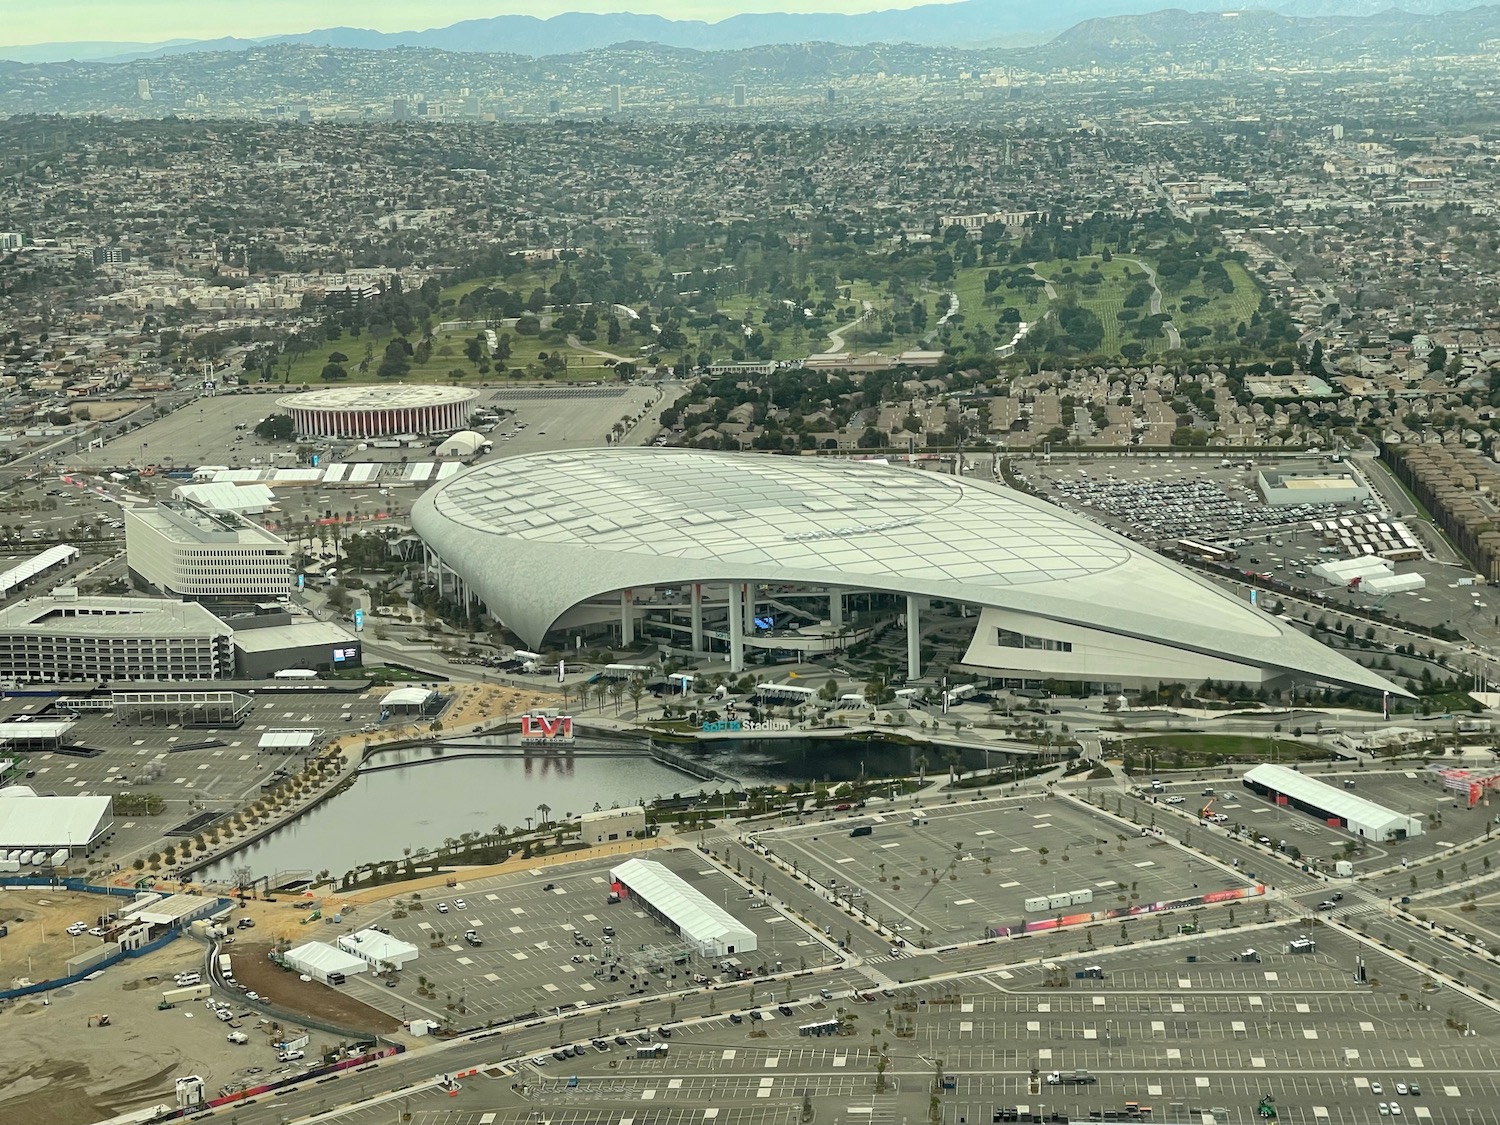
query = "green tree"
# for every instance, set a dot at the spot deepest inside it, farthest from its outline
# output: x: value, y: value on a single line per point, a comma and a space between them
x: 275, y: 427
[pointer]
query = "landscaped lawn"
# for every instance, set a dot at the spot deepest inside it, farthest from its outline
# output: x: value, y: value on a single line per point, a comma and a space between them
x: 1206, y: 749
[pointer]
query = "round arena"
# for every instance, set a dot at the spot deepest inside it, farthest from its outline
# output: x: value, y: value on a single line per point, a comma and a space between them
x: 382, y: 411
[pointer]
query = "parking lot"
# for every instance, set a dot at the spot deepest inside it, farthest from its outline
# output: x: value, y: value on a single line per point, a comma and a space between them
x: 214, y: 769
x: 1165, y: 499
x: 1197, y: 1029
x: 1415, y: 792
x: 967, y: 868
x: 1188, y: 1037
x: 544, y: 947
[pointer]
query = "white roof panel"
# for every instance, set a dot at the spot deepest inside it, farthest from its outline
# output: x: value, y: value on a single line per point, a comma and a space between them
x: 29, y: 821
x: 700, y: 919
x: 288, y: 739
x: 21, y: 572
x: 1339, y: 802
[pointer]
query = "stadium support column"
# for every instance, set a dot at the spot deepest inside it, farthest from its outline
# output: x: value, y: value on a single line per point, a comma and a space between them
x: 913, y: 636
x: 736, y: 629
x: 836, y: 609
x: 697, y: 621
x: 627, y: 619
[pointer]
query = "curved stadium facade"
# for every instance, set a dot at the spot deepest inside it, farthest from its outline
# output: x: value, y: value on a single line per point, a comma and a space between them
x: 716, y: 552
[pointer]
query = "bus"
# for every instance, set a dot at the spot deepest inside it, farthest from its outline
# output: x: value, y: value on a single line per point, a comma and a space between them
x: 820, y: 1029
x: 1205, y: 551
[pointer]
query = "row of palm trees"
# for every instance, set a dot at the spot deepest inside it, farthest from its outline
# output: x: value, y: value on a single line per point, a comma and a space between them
x: 615, y: 690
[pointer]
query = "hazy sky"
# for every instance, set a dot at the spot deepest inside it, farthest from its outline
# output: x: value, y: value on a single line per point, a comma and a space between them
x: 151, y: 21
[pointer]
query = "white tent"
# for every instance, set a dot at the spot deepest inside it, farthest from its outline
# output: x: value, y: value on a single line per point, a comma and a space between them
x: 75, y: 823
x: 689, y: 912
x: 465, y: 443
x: 224, y: 496
x: 408, y: 698
x: 317, y: 959
x: 378, y: 948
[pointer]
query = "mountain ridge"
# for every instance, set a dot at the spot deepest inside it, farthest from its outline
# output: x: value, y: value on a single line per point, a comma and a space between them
x: 959, y: 24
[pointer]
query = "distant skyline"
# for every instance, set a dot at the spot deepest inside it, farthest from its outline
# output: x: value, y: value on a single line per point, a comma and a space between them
x: 153, y: 21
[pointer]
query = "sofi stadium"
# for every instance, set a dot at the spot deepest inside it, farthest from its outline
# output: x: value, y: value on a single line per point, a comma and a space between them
x: 760, y: 557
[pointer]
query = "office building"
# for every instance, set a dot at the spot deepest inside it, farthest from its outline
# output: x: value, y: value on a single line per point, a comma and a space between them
x: 183, y: 551
x: 740, y: 93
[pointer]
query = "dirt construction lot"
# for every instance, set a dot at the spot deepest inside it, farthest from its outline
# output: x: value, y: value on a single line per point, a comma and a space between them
x: 59, y: 1069
x: 289, y: 992
x: 38, y: 918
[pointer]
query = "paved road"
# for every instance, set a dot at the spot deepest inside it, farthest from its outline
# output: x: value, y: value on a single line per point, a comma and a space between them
x: 1174, y: 340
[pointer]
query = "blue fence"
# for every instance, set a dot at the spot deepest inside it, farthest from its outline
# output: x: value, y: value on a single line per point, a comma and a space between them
x: 79, y: 885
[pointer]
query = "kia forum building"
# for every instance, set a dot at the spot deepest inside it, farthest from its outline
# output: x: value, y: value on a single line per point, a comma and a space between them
x: 376, y: 411
x: 716, y: 553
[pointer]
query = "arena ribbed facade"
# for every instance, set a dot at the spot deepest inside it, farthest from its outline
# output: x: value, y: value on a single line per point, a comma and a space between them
x: 380, y: 411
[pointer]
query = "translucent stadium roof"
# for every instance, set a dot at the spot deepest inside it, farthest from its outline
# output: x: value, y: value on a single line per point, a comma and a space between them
x: 536, y: 535
x: 778, y: 512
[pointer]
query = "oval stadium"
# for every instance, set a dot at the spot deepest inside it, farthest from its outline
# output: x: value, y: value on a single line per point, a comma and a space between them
x: 380, y: 411
x: 724, y: 555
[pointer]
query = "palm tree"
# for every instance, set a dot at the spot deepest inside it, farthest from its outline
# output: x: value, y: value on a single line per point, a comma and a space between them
x: 546, y: 811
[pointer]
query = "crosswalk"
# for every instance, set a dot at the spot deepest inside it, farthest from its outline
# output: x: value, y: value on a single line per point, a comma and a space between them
x: 1305, y: 887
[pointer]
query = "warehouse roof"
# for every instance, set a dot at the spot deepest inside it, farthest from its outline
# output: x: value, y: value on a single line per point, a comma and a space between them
x: 700, y: 919
x: 170, y: 910
x: 299, y: 634
x: 1336, y: 802
x: 225, y: 496
x: 22, y: 571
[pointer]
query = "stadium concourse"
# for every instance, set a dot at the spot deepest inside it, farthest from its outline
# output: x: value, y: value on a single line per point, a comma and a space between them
x: 711, y: 548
